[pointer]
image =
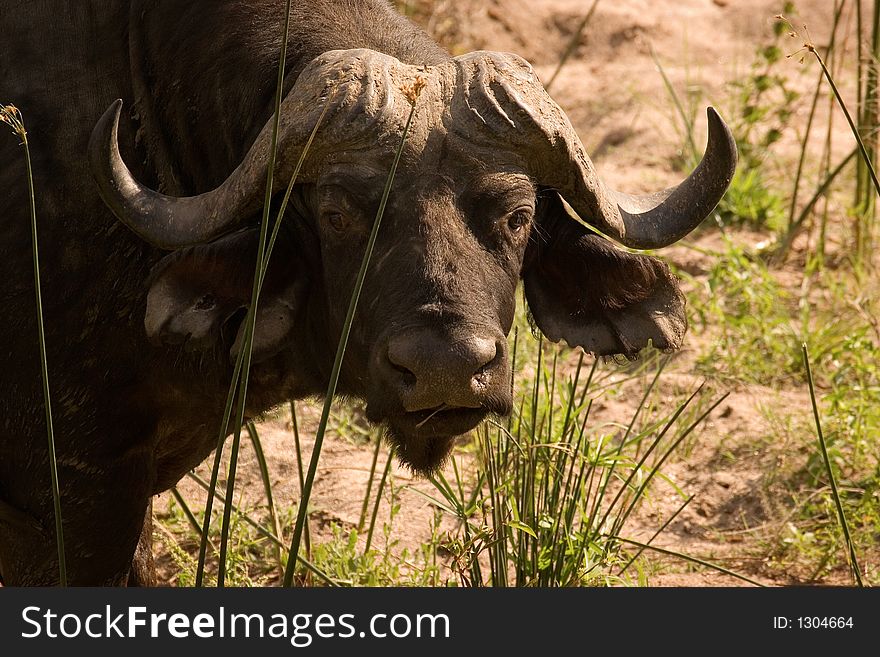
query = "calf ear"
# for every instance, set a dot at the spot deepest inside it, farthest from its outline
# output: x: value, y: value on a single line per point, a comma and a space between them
x: 198, y: 296
x: 583, y: 290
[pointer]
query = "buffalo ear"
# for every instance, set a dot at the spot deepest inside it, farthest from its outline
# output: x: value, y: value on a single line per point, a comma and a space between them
x: 200, y: 294
x: 583, y: 290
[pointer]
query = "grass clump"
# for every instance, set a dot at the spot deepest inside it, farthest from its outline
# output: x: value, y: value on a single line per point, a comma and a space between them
x: 552, y: 495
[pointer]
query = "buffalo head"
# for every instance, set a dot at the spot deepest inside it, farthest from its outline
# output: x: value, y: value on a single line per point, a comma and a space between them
x: 476, y: 206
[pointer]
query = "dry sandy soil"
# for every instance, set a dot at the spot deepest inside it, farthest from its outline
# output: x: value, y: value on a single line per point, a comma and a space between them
x: 614, y: 95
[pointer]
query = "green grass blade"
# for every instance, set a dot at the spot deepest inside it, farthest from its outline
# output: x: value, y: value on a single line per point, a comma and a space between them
x: 657, y: 533
x: 263, y: 268
x: 366, y: 502
x: 44, y: 369
x: 11, y: 115
x: 300, y: 474
x: 867, y: 118
x: 290, y: 185
x: 642, y: 403
x: 656, y: 468
x: 250, y: 321
x: 851, y: 551
x: 379, y: 490
x: 572, y: 44
x: 866, y: 158
x: 263, y: 464
x: 215, y: 471
x: 227, y: 509
x: 570, y: 406
x: 687, y: 124
x: 190, y: 516
x: 838, y: 10
x: 600, y: 496
x: 795, y: 226
x: 513, y: 355
x: 802, y: 158
x: 685, y: 557
x: 442, y: 485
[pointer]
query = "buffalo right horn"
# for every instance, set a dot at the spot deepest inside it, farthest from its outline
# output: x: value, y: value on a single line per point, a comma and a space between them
x: 356, y: 84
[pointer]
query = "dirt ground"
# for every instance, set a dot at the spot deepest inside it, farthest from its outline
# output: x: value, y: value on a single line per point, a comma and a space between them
x: 614, y: 95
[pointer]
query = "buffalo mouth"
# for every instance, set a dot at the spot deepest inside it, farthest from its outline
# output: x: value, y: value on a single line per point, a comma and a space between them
x: 424, y: 439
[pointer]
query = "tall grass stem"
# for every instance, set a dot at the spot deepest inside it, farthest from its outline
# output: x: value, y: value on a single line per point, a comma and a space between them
x: 379, y: 490
x: 13, y: 117
x: 250, y: 320
x: 572, y: 44
x: 686, y: 123
x: 685, y: 557
x: 44, y: 369
x: 267, y: 533
x: 263, y: 464
x: 300, y: 473
x: 835, y: 493
x: 366, y: 503
x: 866, y: 158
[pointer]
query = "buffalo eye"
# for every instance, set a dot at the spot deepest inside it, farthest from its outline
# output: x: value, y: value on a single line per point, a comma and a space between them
x: 206, y: 302
x: 337, y: 221
x: 519, y: 219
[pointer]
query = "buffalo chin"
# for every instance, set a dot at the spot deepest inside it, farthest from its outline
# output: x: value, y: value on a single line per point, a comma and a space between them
x: 424, y: 440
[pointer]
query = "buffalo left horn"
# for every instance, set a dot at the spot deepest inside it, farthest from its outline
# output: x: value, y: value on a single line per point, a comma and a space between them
x: 509, y: 104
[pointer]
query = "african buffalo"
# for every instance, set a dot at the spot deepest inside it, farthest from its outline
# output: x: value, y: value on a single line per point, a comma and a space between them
x: 141, y: 341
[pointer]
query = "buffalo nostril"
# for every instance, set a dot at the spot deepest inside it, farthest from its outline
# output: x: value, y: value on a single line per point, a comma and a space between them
x: 406, y: 376
x: 485, y: 354
x: 400, y: 358
x: 481, y: 354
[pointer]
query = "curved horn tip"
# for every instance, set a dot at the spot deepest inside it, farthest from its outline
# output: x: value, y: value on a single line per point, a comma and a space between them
x: 103, y: 142
x: 112, y: 113
x: 103, y: 151
x: 107, y: 125
x: 105, y: 131
x: 719, y: 128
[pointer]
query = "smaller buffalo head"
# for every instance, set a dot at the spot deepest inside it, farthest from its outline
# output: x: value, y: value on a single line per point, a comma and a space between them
x: 477, y: 205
